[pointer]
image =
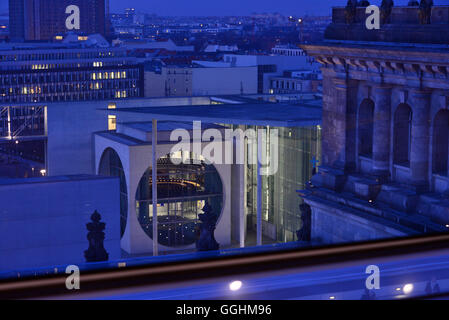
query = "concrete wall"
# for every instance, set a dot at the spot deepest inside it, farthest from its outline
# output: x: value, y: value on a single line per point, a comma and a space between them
x: 224, y: 81
x: 43, y: 220
x: 333, y: 224
x: 154, y: 84
x: 71, y: 125
x: 136, y: 159
x: 171, y: 82
x: 283, y: 63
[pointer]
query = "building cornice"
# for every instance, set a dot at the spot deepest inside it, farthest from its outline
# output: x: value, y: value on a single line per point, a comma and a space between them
x: 408, y: 67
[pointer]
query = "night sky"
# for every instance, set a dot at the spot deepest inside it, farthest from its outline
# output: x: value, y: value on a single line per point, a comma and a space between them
x: 230, y: 7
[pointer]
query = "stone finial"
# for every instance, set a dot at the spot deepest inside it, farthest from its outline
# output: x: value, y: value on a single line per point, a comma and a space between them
x: 425, y: 11
x: 350, y: 11
x: 96, y: 251
x: 385, y: 10
x: 206, y: 241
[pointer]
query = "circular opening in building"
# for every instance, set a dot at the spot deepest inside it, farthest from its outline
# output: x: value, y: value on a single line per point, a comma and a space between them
x: 111, y: 166
x: 182, y: 191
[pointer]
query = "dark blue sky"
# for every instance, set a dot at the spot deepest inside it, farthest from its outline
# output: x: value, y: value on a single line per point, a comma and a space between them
x: 237, y: 7
x: 229, y: 7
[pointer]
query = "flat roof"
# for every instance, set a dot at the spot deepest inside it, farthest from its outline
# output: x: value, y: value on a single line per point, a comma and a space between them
x: 147, y: 126
x: 51, y: 179
x: 305, y: 113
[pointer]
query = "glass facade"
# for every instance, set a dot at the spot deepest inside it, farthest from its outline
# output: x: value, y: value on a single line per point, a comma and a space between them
x: 183, y: 191
x: 110, y: 165
x: 299, y: 150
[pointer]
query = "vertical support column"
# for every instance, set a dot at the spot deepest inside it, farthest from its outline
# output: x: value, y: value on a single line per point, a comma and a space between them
x: 46, y: 156
x: 243, y: 179
x: 419, y: 155
x: 46, y: 142
x: 382, y: 125
x: 9, y: 122
x: 336, y: 118
x: 154, y: 186
x: 341, y: 116
x: 259, y: 188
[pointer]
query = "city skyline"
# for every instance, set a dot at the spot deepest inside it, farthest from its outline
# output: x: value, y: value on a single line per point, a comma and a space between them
x: 231, y: 7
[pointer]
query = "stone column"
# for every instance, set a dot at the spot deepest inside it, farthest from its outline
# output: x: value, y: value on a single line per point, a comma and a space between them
x: 381, y: 139
x: 419, y: 155
x: 340, y: 118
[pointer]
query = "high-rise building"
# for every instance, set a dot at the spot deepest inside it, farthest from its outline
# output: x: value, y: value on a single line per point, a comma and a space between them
x: 56, y: 73
x: 44, y: 19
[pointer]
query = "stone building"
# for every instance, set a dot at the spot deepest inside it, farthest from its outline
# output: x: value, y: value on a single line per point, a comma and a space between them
x: 385, y: 148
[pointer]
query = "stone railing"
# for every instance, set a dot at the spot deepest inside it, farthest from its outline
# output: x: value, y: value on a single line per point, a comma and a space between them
x: 399, y: 15
x: 403, y: 25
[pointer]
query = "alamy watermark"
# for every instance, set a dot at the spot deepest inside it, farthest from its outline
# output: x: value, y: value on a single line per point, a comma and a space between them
x: 72, y: 282
x: 373, y: 280
x: 228, y: 146
x: 372, y: 22
x: 73, y: 21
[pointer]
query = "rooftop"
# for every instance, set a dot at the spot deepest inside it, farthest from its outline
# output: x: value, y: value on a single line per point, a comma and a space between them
x: 305, y: 113
x: 165, y: 126
x: 50, y: 179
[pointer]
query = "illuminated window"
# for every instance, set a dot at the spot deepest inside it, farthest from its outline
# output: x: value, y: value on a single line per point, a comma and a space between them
x: 112, y: 106
x: 112, y: 122
x: 183, y: 191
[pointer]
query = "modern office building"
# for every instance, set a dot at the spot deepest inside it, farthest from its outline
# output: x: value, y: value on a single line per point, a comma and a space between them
x: 296, y: 81
x: 191, y: 80
x: 288, y: 50
x: 62, y: 73
x: 44, y: 19
x: 267, y: 66
x: 33, y: 73
x: 114, y: 138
